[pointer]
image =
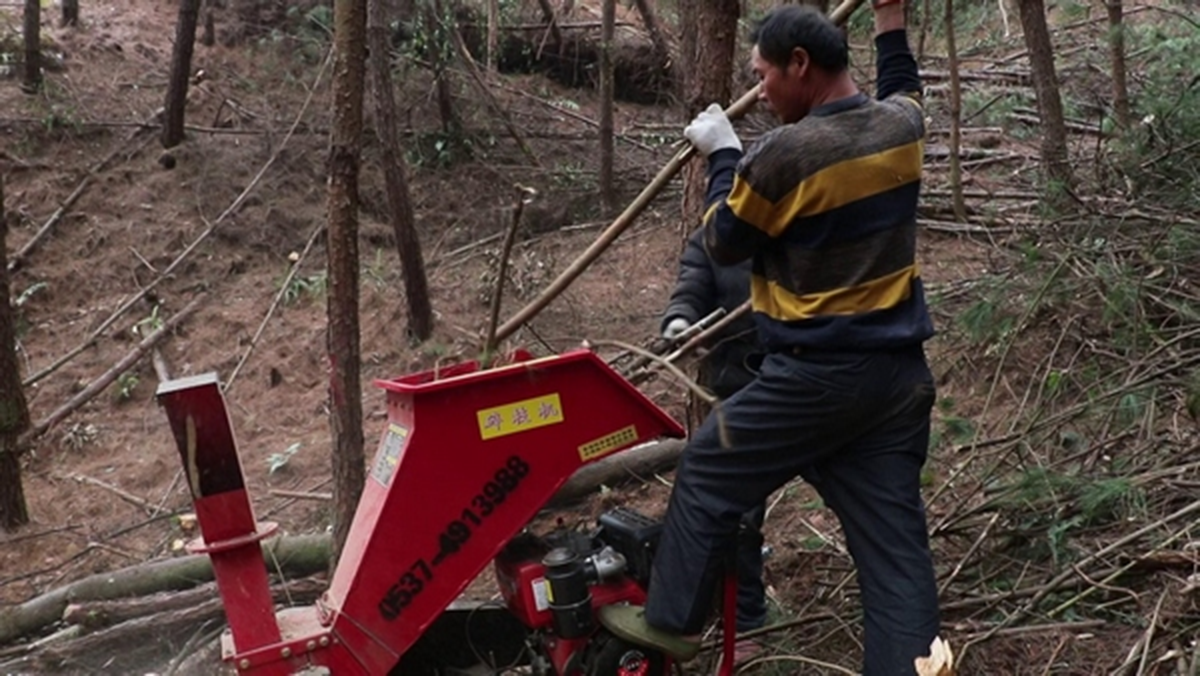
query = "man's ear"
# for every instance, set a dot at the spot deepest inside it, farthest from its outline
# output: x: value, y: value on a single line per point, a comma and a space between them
x: 800, y: 61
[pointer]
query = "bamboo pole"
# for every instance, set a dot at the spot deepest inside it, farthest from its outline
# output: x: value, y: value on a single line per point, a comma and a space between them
x: 626, y: 218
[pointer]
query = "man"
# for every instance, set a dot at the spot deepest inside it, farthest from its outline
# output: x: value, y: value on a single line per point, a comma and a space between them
x: 732, y: 362
x: 825, y: 208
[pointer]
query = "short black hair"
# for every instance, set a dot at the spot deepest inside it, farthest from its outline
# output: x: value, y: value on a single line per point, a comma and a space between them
x: 787, y: 27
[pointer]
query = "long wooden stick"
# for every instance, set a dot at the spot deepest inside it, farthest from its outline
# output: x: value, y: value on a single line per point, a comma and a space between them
x: 622, y: 222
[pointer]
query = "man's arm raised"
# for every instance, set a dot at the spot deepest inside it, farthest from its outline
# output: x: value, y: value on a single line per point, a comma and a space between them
x: 895, y: 66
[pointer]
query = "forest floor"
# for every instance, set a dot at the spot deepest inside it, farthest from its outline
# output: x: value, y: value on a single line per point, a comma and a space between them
x: 245, y: 197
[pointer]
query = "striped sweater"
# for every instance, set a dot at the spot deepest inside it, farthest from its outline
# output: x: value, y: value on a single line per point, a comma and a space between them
x: 826, y: 209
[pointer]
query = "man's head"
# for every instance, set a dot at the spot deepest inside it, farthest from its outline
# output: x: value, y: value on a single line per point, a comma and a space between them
x: 800, y: 56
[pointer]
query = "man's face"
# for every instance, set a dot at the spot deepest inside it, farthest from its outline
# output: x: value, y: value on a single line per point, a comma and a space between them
x: 782, y: 86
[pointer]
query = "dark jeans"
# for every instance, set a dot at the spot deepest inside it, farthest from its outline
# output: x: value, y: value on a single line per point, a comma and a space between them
x: 751, y: 591
x: 856, y: 426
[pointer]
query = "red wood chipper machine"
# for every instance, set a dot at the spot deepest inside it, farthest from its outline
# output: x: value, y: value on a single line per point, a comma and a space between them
x: 468, y: 457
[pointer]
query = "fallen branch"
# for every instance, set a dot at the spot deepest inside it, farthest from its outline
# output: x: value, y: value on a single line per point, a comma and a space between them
x: 96, y: 386
x: 120, y: 493
x: 16, y: 258
x: 1078, y: 127
x: 301, y: 495
x: 94, y: 615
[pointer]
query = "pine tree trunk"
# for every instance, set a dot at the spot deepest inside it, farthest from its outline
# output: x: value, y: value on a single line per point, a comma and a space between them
x: 1116, y: 44
x: 433, y: 15
x: 709, y: 41
x: 1055, y: 161
x: 493, y: 33
x: 608, y: 197
x: 925, y: 21
x: 416, y: 284
x: 70, y: 13
x: 345, y: 389
x: 181, y: 68
x: 14, y: 414
x: 32, y: 82
x: 956, y: 187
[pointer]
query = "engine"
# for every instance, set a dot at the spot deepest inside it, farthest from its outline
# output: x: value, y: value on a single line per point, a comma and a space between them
x: 554, y: 584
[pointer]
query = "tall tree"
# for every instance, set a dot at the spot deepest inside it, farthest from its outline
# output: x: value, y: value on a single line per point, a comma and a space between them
x: 956, y: 186
x: 32, y: 82
x: 1055, y: 161
x: 70, y: 13
x: 1116, y: 46
x: 181, y: 68
x: 412, y: 264
x: 493, y: 32
x: 345, y: 388
x: 608, y: 196
x: 14, y: 414
x: 440, y: 41
x: 709, y: 30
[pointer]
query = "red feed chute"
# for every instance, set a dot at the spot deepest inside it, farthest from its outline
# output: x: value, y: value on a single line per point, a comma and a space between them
x: 468, y: 457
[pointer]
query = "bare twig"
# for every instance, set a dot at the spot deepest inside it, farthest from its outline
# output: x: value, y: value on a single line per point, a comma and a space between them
x: 301, y: 495
x: 287, y: 282
x: 119, y: 492
x: 524, y: 196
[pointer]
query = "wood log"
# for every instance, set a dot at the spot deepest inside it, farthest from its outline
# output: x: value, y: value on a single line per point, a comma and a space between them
x: 296, y: 556
x: 95, y: 615
x: 637, y: 461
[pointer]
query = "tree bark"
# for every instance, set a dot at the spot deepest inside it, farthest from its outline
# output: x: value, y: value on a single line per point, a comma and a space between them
x: 608, y: 196
x: 209, y: 37
x: 1055, y: 161
x: 1116, y: 45
x: 493, y: 33
x: 925, y: 21
x: 450, y: 123
x: 345, y: 389
x: 181, y: 67
x: 70, y: 13
x: 14, y: 411
x: 956, y: 187
x: 709, y: 41
x: 32, y: 82
x: 412, y: 263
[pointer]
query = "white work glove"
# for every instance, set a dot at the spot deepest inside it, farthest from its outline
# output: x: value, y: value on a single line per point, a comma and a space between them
x: 675, y: 327
x: 712, y: 131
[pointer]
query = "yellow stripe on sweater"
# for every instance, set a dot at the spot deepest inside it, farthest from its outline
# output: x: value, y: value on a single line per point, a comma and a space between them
x: 878, y: 294
x: 832, y: 187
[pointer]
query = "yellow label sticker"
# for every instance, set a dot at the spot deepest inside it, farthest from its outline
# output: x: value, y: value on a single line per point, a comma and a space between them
x: 520, y: 416
x: 608, y: 443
